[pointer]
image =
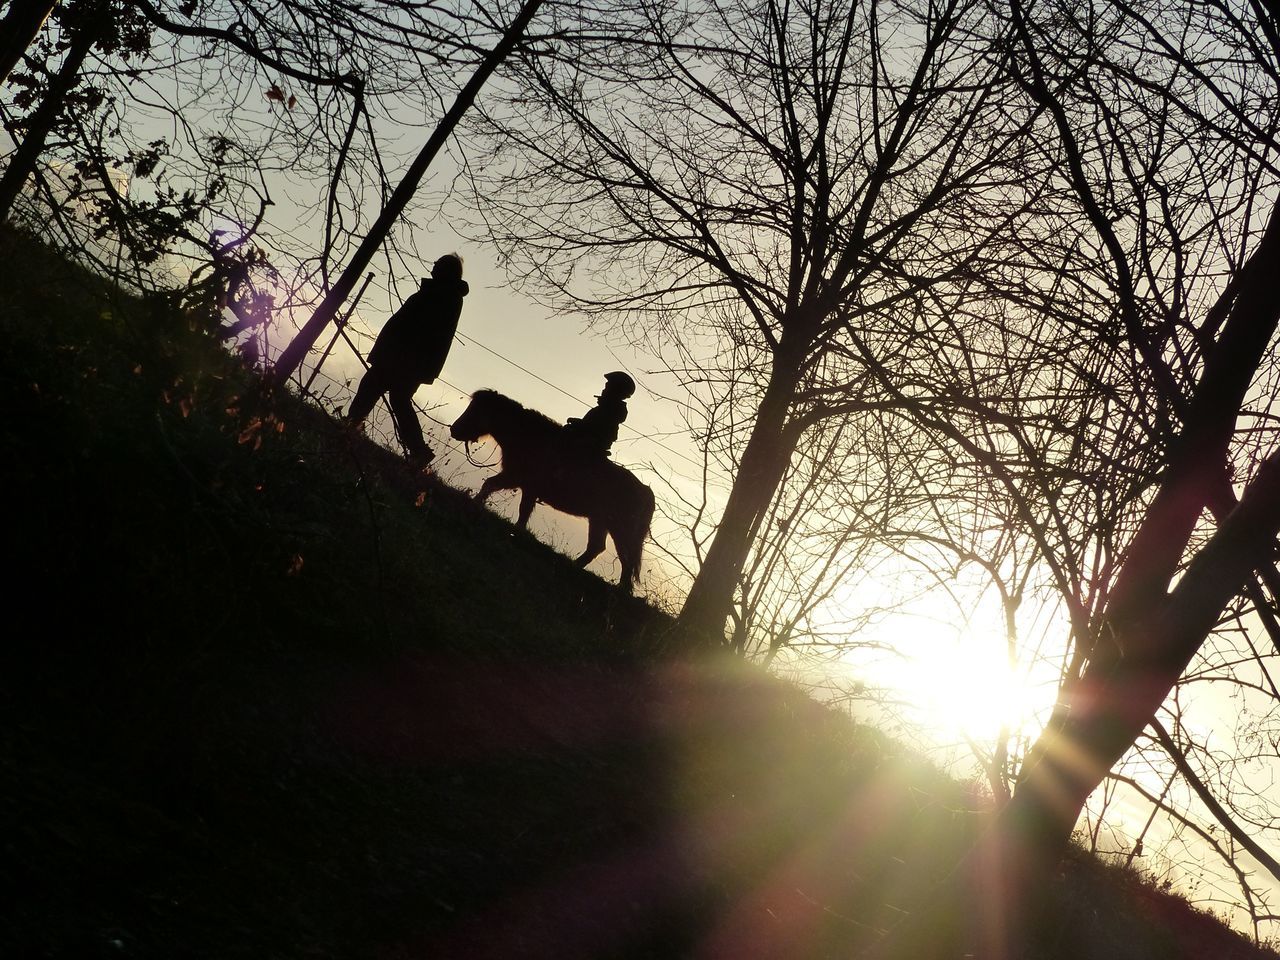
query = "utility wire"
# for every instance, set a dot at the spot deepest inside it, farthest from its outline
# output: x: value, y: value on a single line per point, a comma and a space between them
x: 468, y: 338
x: 559, y: 389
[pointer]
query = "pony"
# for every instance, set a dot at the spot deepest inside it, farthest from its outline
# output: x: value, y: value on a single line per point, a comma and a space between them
x: 538, y: 460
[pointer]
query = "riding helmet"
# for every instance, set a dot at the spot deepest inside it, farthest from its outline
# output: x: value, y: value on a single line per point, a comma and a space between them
x: 620, y: 383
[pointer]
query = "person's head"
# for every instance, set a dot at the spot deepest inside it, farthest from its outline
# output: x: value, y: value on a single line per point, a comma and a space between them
x: 618, y: 385
x: 448, y: 267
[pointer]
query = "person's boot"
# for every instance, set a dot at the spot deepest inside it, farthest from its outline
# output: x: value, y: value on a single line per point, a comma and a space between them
x: 421, y: 459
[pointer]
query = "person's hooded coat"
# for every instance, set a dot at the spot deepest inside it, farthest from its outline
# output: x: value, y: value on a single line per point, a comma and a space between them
x: 414, y: 343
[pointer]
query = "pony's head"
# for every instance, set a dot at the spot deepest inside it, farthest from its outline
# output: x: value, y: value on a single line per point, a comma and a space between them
x: 492, y: 414
x: 477, y: 420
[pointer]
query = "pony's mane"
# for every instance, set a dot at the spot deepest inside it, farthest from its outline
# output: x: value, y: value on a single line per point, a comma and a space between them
x: 509, y: 408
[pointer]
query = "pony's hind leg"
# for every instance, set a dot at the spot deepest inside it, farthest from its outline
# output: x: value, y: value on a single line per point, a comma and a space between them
x: 595, y: 542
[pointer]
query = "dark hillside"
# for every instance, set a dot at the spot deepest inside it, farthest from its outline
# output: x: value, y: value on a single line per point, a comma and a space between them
x: 267, y: 694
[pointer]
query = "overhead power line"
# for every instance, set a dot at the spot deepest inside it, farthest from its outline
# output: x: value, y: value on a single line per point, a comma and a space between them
x: 561, y: 390
x: 468, y: 338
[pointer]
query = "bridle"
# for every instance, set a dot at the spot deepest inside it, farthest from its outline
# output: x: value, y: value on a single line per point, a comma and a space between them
x: 466, y: 447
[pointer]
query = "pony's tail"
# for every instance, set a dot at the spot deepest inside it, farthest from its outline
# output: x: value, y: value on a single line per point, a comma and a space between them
x: 643, y: 520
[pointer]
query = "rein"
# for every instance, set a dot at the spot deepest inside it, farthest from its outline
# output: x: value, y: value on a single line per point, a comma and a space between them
x: 466, y: 447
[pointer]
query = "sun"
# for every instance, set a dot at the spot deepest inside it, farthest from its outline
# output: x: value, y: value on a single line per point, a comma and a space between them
x: 965, y: 690
x: 960, y: 688
x: 934, y: 670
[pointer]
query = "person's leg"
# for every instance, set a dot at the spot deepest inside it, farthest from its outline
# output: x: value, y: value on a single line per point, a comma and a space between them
x: 406, y: 417
x: 372, y: 385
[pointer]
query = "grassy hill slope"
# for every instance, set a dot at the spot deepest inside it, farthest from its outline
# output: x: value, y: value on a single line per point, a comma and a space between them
x: 267, y: 694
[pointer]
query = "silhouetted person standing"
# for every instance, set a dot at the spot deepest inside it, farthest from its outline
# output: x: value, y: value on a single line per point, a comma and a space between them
x: 410, y: 351
x: 595, y: 431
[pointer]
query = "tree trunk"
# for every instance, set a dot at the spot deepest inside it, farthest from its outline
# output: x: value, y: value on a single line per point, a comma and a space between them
x: 1132, y: 640
x: 1118, y: 697
x: 23, y: 160
x: 18, y: 30
x: 292, y: 357
x: 764, y: 462
x: 991, y: 901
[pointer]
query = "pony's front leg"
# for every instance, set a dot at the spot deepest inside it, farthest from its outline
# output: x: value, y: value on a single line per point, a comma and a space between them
x: 527, y: 501
x: 595, y: 542
x: 499, y: 481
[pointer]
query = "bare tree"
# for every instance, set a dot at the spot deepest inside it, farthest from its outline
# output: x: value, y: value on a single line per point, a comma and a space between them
x: 1165, y: 158
x: 19, y: 28
x: 248, y: 97
x: 744, y: 185
x: 84, y: 24
x: 1070, y: 364
x: 400, y: 197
